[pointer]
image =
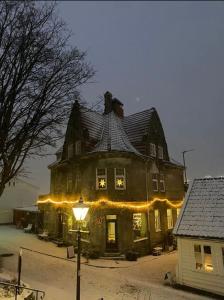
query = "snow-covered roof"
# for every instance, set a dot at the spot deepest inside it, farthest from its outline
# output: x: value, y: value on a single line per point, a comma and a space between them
x: 203, y: 212
x: 113, y: 136
x: 32, y: 208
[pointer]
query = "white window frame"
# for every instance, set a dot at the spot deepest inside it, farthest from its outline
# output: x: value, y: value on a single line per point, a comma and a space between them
x: 155, y: 179
x: 157, y: 220
x: 70, y: 150
x: 203, y: 269
x: 102, y: 177
x: 116, y: 176
x: 162, y: 182
x: 169, y: 213
x: 78, y: 147
x: 160, y: 152
x: 152, y: 149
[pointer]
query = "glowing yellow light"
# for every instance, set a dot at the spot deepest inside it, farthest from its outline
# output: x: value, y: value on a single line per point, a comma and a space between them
x: 102, y: 183
x: 120, y: 182
x: 119, y: 204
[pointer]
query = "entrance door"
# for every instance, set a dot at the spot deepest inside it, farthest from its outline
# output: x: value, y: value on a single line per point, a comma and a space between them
x: 111, y: 233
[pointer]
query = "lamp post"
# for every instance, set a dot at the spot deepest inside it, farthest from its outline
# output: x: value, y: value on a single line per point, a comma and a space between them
x: 80, y: 211
x: 185, y: 172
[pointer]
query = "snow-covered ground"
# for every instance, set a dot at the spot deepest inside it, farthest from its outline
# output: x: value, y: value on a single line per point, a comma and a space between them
x: 107, y: 279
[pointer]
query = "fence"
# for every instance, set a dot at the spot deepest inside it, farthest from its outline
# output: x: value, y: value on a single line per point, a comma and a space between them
x: 32, y: 294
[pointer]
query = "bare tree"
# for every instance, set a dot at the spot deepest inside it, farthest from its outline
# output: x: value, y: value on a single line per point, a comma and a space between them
x: 40, y: 74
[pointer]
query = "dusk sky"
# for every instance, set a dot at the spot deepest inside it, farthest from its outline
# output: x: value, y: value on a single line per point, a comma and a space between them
x: 167, y: 55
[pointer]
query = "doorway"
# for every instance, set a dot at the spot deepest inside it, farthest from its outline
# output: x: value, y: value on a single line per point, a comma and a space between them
x: 111, y: 233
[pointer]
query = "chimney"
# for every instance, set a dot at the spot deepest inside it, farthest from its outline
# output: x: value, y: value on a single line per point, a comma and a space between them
x: 107, y: 102
x: 117, y: 107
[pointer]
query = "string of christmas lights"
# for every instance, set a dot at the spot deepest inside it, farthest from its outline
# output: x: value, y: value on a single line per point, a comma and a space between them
x: 104, y: 202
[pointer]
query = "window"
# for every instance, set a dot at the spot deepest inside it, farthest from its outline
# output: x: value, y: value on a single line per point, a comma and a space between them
x: 203, y: 258
x: 101, y: 179
x: 69, y: 182
x: 157, y: 220
x: 169, y: 218
x: 178, y: 212
x: 139, y: 226
x: 152, y: 149
x: 70, y: 150
x: 78, y: 147
x: 155, y: 182
x: 120, y: 180
x: 160, y: 152
x: 162, y: 183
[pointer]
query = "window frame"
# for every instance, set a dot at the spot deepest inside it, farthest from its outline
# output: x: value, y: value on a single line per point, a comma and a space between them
x: 119, y: 176
x: 69, y: 182
x: 203, y: 258
x: 70, y: 150
x: 102, y: 177
x: 157, y: 221
x: 169, y: 218
x: 155, y: 180
x: 160, y: 152
x: 78, y: 147
x: 162, y: 182
x: 140, y: 238
x: 152, y: 149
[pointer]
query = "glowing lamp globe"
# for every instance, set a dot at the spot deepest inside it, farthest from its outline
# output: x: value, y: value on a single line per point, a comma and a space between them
x: 80, y: 210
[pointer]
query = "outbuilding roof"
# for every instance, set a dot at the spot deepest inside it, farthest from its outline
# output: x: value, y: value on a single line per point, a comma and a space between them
x: 203, y: 212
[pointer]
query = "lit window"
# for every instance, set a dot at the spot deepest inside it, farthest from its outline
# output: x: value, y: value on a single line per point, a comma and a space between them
x: 78, y: 147
x: 160, y: 152
x: 162, y: 183
x: 70, y: 151
x: 69, y: 182
x: 101, y: 179
x: 152, y: 149
x: 120, y: 180
x: 139, y: 226
x: 178, y: 212
x: 169, y: 218
x: 157, y: 220
x: 203, y: 258
x: 208, y: 259
x: 155, y: 182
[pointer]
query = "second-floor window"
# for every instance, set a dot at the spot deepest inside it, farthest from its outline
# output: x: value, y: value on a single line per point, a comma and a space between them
x: 155, y: 187
x: 157, y: 220
x: 160, y: 152
x: 101, y: 178
x: 152, y: 149
x: 169, y: 218
x: 162, y: 183
x: 120, y: 178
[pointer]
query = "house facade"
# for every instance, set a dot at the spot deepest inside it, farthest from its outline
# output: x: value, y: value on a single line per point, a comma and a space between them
x: 200, y: 237
x: 121, y: 167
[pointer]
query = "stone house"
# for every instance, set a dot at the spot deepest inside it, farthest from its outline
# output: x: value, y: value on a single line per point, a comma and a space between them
x: 200, y: 237
x: 120, y: 165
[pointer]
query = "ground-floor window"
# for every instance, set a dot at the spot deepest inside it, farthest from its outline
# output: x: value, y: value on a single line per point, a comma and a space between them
x: 157, y: 220
x: 203, y: 258
x: 139, y: 225
x: 169, y: 218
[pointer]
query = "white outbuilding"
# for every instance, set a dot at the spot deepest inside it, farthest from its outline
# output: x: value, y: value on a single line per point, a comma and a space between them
x: 200, y: 236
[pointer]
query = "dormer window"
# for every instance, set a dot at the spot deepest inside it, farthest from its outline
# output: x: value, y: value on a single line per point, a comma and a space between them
x: 160, y: 152
x: 120, y: 180
x: 152, y: 149
x: 101, y: 179
x: 78, y: 147
x: 162, y: 183
x: 155, y: 187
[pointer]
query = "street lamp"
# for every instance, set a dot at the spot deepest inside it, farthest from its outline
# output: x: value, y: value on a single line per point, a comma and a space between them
x: 80, y: 211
